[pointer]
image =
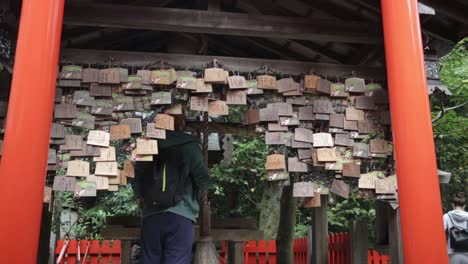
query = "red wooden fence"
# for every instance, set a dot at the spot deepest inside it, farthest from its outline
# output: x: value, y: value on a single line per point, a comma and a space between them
x: 373, y: 257
x: 338, y: 248
x: 105, y: 252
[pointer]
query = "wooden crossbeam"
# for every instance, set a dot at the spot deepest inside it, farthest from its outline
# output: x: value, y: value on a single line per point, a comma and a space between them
x: 216, y: 22
x: 127, y: 58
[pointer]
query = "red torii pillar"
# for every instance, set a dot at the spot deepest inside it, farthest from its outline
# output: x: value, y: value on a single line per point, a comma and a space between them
x: 27, y: 131
x: 418, y: 185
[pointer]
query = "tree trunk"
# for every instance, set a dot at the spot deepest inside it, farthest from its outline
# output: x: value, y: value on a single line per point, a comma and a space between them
x: 270, y: 211
x: 284, y: 240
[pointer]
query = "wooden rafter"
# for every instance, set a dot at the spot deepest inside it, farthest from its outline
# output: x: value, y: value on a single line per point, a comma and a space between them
x: 215, y: 22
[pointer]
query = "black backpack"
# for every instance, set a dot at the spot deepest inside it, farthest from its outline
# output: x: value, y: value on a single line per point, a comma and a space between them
x: 165, y: 186
x: 458, y: 237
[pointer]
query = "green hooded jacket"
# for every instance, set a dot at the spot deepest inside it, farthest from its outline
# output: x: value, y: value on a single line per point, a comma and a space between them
x: 194, y: 170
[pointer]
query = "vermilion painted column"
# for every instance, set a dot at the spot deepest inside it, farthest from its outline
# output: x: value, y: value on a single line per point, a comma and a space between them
x: 27, y: 131
x: 420, y: 203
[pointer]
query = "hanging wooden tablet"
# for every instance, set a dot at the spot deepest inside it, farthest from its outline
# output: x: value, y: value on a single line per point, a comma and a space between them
x: 384, y: 186
x: 78, y: 168
x: 297, y: 100
x: 164, y: 121
x: 123, y: 103
x: 84, y: 120
x: 161, y: 77
x: 277, y: 175
x: 110, y: 76
x: 275, y: 127
x: 238, y: 97
x: 306, y: 113
x: 102, y: 108
x: 145, y: 76
x: 304, y: 135
x: 367, y: 181
x: 343, y: 139
x: 153, y: 132
x: 251, y: 116
x: 107, y: 168
x: 107, y: 154
x: 353, y: 114
x: 294, y: 165
x: 57, y: 100
x: 275, y: 162
x: 324, y: 117
x: 203, y: 87
x: 310, y: 83
x: 64, y: 184
x: 218, y: 108
x: 350, y: 125
x: 379, y: 146
x: 161, y: 98
x: 100, y: 90
x: 69, y: 83
x: 274, y: 138
x: 186, y: 82
x: 70, y: 72
x: 360, y: 150
x: 337, y: 120
x: 175, y: 109
x: 312, y: 202
x: 85, y: 189
x: 57, y: 131
x: 340, y: 188
x: 269, y: 114
x: 326, y: 155
x: 134, y: 124
x: 304, y: 154
x: 215, y: 75
x: 86, y: 151
x: 365, y: 103
x: 337, y: 165
x: 298, y: 145
x: 147, y: 147
x: 65, y: 111
x: 133, y: 82
x: 323, y: 86
x: 237, y: 82
x: 304, y: 189
x: 338, y: 90
x: 252, y: 88
x: 266, y: 82
x: 367, y: 127
x: 315, y: 160
x: 118, y: 132
x: 285, y: 85
x: 129, y: 169
x: 296, y: 92
x: 284, y: 109
x: 98, y: 138
x: 355, y: 85
x: 323, y: 106
x: 102, y: 183
x: 322, y: 140
x: 351, y: 169
x: 136, y: 157
x: 52, y: 157
x: 90, y: 75
x: 380, y: 97
x: 289, y: 120
x: 72, y: 142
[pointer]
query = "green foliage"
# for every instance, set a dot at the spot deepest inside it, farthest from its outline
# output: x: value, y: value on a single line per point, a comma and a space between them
x: 450, y: 131
x: 92, y: 213
x: 341, y: 215
x: 239, y: 185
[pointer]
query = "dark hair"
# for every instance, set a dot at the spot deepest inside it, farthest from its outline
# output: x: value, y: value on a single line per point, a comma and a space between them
x: 179, y: 120
x: 459, y: 199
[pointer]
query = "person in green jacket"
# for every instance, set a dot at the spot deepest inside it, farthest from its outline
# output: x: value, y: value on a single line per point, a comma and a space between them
x: 168, y: 233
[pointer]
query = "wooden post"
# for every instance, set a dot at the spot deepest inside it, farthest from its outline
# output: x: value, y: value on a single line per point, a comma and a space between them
x: 381, y: 222
x: 235, y: 252
x: 126, y: 254
x: 320, y: 232
x: 359, y: 242
x: 395, y: 241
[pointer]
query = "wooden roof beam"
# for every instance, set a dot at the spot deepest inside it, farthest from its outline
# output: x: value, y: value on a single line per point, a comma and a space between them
x: 85, y: 57
x: 223, y: 23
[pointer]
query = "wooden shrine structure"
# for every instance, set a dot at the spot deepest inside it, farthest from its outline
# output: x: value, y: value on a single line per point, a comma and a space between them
x: 381, y: 41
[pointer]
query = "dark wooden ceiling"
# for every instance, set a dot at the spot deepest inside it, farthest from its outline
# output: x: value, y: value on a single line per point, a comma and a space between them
x: 326, y: 31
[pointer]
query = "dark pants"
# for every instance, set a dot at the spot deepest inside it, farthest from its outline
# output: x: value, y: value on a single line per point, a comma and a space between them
x: 166, y: 238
